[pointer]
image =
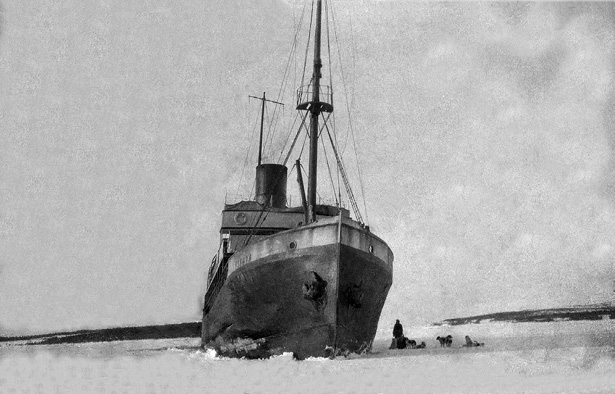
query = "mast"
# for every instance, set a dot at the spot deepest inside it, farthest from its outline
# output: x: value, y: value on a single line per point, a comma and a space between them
x: 260, y: 141
x: 314, y: 113
x: 309, y: 99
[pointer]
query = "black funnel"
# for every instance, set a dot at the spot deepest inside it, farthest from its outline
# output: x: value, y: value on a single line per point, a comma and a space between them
x: 271, y: 185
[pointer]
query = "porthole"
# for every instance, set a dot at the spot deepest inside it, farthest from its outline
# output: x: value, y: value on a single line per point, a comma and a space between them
x: 293, y: 245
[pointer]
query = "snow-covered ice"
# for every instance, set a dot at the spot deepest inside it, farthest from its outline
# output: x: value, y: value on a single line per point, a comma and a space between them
x: 557, y: 357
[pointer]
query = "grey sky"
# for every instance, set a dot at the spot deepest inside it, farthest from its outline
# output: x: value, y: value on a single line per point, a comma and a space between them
x: 486, y: 134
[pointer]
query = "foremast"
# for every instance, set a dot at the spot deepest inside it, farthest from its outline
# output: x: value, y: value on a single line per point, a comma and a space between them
x: 316, y: 107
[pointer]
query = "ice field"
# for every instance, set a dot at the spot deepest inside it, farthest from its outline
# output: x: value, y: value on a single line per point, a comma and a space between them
x: 556, y: 357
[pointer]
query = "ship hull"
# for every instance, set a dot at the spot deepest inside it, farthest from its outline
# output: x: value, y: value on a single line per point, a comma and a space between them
x: 313, y: 291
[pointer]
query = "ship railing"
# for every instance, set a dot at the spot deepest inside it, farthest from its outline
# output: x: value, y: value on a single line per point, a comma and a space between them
x: 296, y: 200
x: 213, y: 267
x: 215, y: 264
x: 305, y: 96
x: 216, y: 283
x: 237, y: 198
x: 331, y: 201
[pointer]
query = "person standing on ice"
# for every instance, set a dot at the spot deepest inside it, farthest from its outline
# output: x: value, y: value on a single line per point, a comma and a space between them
x: 398, y: 330
x: 398, y: 335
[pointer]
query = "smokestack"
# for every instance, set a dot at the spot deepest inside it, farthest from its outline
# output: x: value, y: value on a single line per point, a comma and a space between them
x: 271, y: 185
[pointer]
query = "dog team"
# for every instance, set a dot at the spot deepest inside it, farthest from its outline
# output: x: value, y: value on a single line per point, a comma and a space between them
x: 402, y: 342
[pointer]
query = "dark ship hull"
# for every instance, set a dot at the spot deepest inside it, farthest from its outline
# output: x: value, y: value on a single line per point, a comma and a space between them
x: 315, y: 290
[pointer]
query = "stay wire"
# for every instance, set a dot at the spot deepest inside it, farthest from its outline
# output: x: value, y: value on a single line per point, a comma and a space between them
x: 350, y: 118
x: 284, y: 84
x: 292, y: 146
x: 291, y: 128
x: 324, y: 149
x: 245, y: 162
x: 307, y: 46
x: 293, y: 51
x: 274, y: 116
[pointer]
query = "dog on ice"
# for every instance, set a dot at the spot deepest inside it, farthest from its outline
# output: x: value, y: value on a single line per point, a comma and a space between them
x: 446, y: 341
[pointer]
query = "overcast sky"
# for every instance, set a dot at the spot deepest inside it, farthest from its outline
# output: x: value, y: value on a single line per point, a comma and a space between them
x: 486, y: 135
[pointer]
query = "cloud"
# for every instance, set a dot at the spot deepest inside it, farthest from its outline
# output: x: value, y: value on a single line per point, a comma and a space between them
x: 508, y: 207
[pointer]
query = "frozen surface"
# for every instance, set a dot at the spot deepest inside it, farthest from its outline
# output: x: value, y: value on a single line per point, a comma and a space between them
x: 562, y: 357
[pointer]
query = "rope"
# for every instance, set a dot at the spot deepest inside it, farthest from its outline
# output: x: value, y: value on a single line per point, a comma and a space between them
x: 245, y: 162
x: 269, y: 133
x: 329, y: 51
x: 349, y: 124
x: 290, y: 129
x: 330, y: 173
x: 295, y: 140
x: 284, y: 83
x: 353, y: 201
x: 307, y: 46
x: 263, y: 210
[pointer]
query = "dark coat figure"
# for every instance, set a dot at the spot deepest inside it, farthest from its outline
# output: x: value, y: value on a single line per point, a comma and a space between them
x: 398, y: 329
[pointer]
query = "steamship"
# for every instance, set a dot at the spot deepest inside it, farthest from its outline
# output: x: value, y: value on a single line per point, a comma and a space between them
x: 309, y: 279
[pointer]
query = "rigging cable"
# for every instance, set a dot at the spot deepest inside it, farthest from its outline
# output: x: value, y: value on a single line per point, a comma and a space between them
x: 307, y: 46
x: 284, y: 84
x: 245, y: 163
x: 350, y: 120
x: 329, y: 52
x: 336, y: 146
x: 353, y: 201
x: 331, y: 97
x: 268, y: 134
x: 302, y: 77
x: 328, y: 165
x: 295, y: 140
x: 291, y: 128
x: 303, y: 146
x: 353, y: 74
